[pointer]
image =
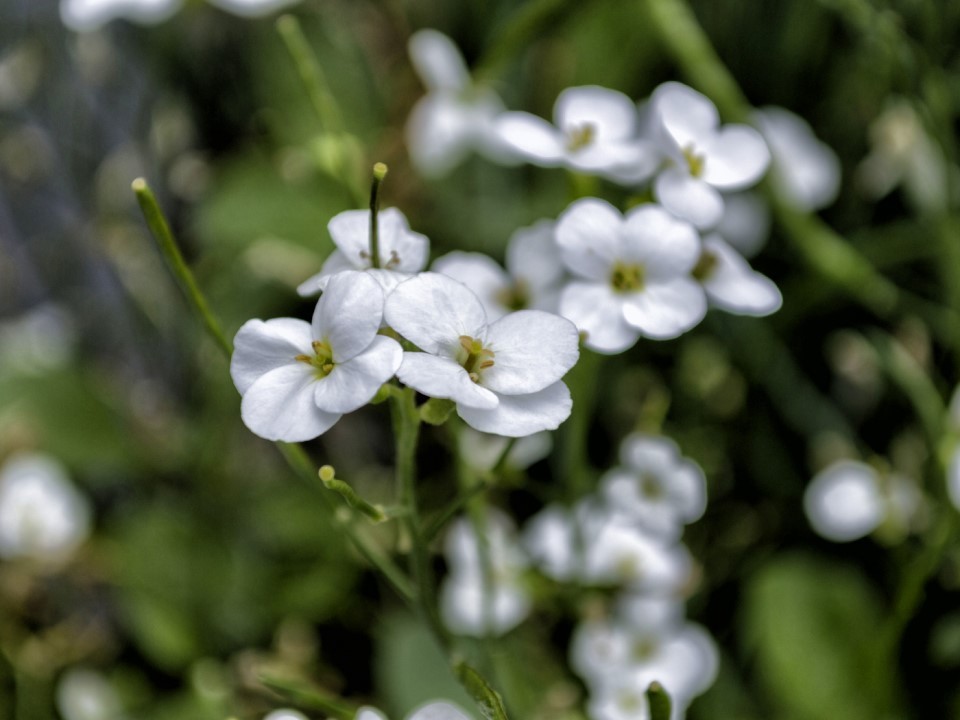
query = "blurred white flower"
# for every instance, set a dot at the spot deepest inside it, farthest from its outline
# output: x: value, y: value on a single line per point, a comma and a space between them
x: 39, y: 340
x: 42, y: 515
x: 286, y: 714
x: 504, y: 377
x: 87, y: 15
x: 532, y: 277
x: 953, y: 477
x: 804, y: 170
x: 482, y: 450
x: 745, y: 223
x: 297, y: 379
x: 402, y: 251
x: 618, y: 554
x: 435, y: 710
x: 706, y: 158
x: 549, y: 537
x: 595, y: 131
x: 731, y: 284
x: 849, y: 500
x: 655, y: 486
x: 903, y: 153
x: 455, y: 117
x: 84, y: 694
x: 632, y: 274
x: 472, y: 603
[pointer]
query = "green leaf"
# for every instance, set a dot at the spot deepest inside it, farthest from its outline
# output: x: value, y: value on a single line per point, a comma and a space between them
x: 813, y: 627
x: 489, y: 700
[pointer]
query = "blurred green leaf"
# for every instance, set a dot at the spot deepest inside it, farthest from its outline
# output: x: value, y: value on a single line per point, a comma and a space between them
x: 813, y: 627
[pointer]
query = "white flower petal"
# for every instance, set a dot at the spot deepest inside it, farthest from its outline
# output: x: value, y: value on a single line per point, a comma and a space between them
x: 440, y: 134
x: 664, y: 245
x: 953, y: 478
x: 439, y: 711
x: 519, y: 415
x: 468, y: 610
x: 481, y: 274
x: 531, y: 137
x: 734, y: 286
x: 443, y: 378
x: 433, y: 311
x: 745, y: 224
x: 252, y: 8
x: 438, y: 61
x: 348, y: 313
x: 350, y: 231
x: 369, y: 713
x: 735, y: 158
x: 688, y: 197
x: 87, y: 15
x: 589, y: 235
x: 401, y: 249
x: 260, y: 347
x: 352, y: 384
x: 598, y: 311
x: 533, y: 349
x: 665, y: 310
x: 688, y: 116
x: 280, y: 406
x: 611, y: 114
x: 335, y: 262
x: 533, y: 255
x: 843, y: 501
x: 550, y: 540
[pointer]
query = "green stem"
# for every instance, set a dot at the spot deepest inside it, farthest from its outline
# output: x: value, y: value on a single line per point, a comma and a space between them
x: 171, y: 252
x: 574, y: 467
x: 824, y: 250
x: 406, y: 430
x: 311, y: 74
x: 379, y: 173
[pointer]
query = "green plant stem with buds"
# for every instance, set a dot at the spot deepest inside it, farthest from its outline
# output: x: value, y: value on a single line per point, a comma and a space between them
x: 311, y: 74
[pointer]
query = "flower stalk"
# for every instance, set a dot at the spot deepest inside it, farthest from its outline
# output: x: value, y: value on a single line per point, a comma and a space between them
x: 379, y: 173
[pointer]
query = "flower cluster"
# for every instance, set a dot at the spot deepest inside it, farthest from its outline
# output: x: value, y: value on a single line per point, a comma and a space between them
x: 297, y: 378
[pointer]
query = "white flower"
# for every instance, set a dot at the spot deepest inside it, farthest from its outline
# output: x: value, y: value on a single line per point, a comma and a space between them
x: 504, y: 377
x: 297, y: 379
x: 595, y: 131
x: 953, y: 477
x: 532, y: 276
x: 285, y: 714
x: 455, y: 116
x: 706, y: 158
x: 745, y: 223
x: 617, y: 554
x: 655, y: 487
x: 482, y: 450
x: 84, y: 694
x: 402, y: 251
x: 849, y: 500
x: 42, y: 515
x: 436, y: 710
x: 549, y: 537
x: 805, y: 171
x: 633, y: 274
x: 86, y: 15
x: 470, y: 602
x: 731, y: 284
x: 252, y: 8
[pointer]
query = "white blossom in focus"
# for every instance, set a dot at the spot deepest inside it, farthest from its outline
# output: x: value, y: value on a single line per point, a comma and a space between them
x: 595, y: 131
x: 706, y: 158
x: 849, y: 500
x: 655, y: 487
x: 456, y: 116
x: 435, y: 710
x: 402, y: 251
x: 472, y: 603
x: 731, y: 284
x: 505, y: 377
x: 632, y: 274
x: 298, y: 378
x: 804, y: 170
x: 531, y: 280
x: 42, y: 515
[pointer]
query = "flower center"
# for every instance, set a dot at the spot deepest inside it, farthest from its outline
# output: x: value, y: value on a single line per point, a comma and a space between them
x: 390, y: 264
x: 705, y: 266
x: 515, y: 296
x: 643, y: 649
x: 630, y: 702
x: 580, y: 136
x: 474, y: 357
x: 649, y: 487
x: 321, y: 360
x: 626, y: 277
x: 695, y: 162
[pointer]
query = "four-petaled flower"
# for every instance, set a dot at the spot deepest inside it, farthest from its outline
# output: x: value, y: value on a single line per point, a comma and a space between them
x: 297, y: 379
x: 633, y: 274
x: 402, y: 251
x: 504, y: 377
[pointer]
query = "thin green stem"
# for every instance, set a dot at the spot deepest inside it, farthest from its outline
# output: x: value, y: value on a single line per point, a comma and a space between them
x: 171, y: 252
x: 406, y: 429
x: 573, y: 464
x: 311, y: 74
x: 458, y: 504
x: 379, y: 173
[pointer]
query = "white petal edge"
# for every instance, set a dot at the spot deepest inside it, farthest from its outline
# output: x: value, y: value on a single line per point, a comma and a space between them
x: 443, y: 378
x: 521, y: 415
x: 348, y: 313
x: 260, y: 347
x: 280, y: 406
x: 533, y: 349
x: 666, y: 310
x: 352, y: 384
